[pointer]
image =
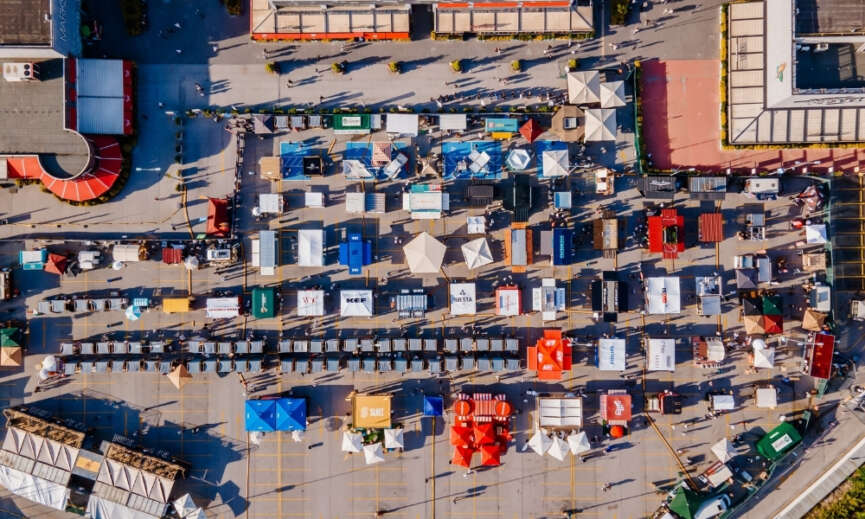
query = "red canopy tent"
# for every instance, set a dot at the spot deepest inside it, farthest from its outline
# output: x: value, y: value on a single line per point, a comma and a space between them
x: 820, y: 355
x: 711, y: 227
x: 485, y: 433
x: 56, y: 264
x: 531, y: 130
x: 491, y: 455
x: 461, y: 436
x: 462, y: 457
x: 217, y: 217
x: 550, y: 356
x: 773, y: 324
x: 667, y: 233
x: 616, y: 407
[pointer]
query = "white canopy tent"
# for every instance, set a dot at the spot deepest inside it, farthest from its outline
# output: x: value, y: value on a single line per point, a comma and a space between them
x: 126, y: 252
x: 815, y: 234
x: 402, y: 124
x: 560, y: 412
x: 723, y: 450
x: 355, y: 303
x: 723, y: 402
x: 310, y: 247
x: 457, y: 122
x: 767, y: 397
x: 555, y: 163
x: 310, y: 303
x: 600, y: 124
x: 184, y: 505
x: 518, y: 159
x: 508, y: 301
x: 222, y: 307
x: 355, y: 170
x: 584, y: 87
x: 424, y: 254
x: 662, y: 355
x: 101, y: 508
x: 373, y: 453
x: 559, y: 449
x: 717, y: 475
x: 351, y: 442
x: 764, y: 356
x: 612, y: 94
x: 393, y: 439
x: 270, y: 203
x: 540, y: 442
x: 663, y: 295
x: 579, y: 443
x: 611, y: 354
x: 477, y: 253
x: 463, y: 299
x: 32, y: 488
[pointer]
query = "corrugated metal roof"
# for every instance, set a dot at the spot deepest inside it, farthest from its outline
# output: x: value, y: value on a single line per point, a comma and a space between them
x: 711, y: 227
x: 99, y: 78
x: 100, y: 115
x: 267, y: 253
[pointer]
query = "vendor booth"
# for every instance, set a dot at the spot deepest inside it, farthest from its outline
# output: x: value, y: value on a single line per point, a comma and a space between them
x: 763, y: 188
x: 355, y: 253
x: 820, y: 298
x: 818, y: 355
x: 778, y: 441
x: 560, y: 413
x: 663, y: 295
x: 722, y: 402
x: 509, y: 300
x: 223, y: 307
x: 615, y: 407
x: 717, y: 474
x: 766, y: 397
x: 550, y: 356
x: 518, y: 247
x: 611, y: 354
x: 763, y: 356
x: 263, y: 302
x: 708, y: 352
x: 605, y: 236
x: 310, y: 247
x: 755, y: 222
x: 276, y: 414
x: 264, y: 252
x: 270, y: 203
x: 218, y: 223
x: 548, y: 299
x: 563, y: 246
x: 371, y: 411
x: 411, y: 303
x: 481, y: 424
x: 667, y: 233
x: 661, y: 354
x: 355, y: 303
x: 708, y: 295
x: 477, y: 253
x: 426, y: 201
x: 707, y: 188
x: 463, y: 300
x: 609, y: 297
x: 175, y: 305
x: 122, y: 252
x: 310, y: 303
x: 814, y: 261
x: 710, y: 227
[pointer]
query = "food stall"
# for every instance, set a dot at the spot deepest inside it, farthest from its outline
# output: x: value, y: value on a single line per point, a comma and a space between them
x: 818, y: 355
x: 615, y: 407
x: 609, y: 297
x: 661, y: 354
x: 667, y: 233
x: 605, y: 236
x: 611, y: 354
x: 708, y: 295
x: 664, y: 402
x: 548, y: 299
x: 509, y: 300
x: 463, y: 299
x: 481, y: 424
x: 518, y: 247
x: 663, y: 295
x: 550, y: 356
x: 708, y: 352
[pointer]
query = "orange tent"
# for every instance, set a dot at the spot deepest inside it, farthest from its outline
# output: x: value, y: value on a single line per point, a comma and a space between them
x: 531, y: 130
x: 461, y: 436
x: 617, y: 431
x: 462, y: 457
x: 503, y: 409
x: 550, y: 355
x: 56, y: 264
x: 217, y: 217
x: 491, y: 455
x: 485, y: 433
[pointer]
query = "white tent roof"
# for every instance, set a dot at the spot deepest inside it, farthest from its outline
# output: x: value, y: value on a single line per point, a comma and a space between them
x: 424, y: 254
x: 815, y: 233
x: 718, y: 476
x: 477, y: 253
x: 518, y: 159
x: 101, y: 508
x: 402, y: 124
x: 355, y: 202
x: 351, y: 442
x: 373, y: 453
x: 664, y: 296
x: 184, y: 505
x: 662, y: 355
x: 767, y: 397
x: 223, y: 307
x: 38, y: 490
x: 613, y: 94
x: 124, y: 252
x: 584, y: 87
x: 723, y: 450
x: 355, y: 303
x: 269, y: 203
x: 611, y: 354
x: 310, y: 247
x: 723, y: 402
x: 198, y: 513
x: 393, y: 439
x: 560, y: 412
x: 764, y: 357
x: 600, y: 124
x: 540, y: 442
x: 463, y: 300
x: 715, y: 349
x: 310, y: 303
x: 579, y: 443
x: 452, y: 122
x: 559, y: 449
x: 354, y: 169
x: 555, y: 163
x: 508, y: 301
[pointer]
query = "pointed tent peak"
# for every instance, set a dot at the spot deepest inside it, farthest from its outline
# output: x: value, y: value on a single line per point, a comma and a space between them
x: 424, y: 254
x: 540, y: 442
x: 198, y: 513
x: 518, y: 159
x: 579, y: 442
x: 56, y: 264
x: 491, y: 455
x: 558, y: 449
x: 813, y: 320
x: 477, y: 253
x: 462, y: 456
x: 351, y: 442
x: 179, y: 376
x: 184, y: 505
x: 11, y: 356
x: 373, y: 453
x: 584, y: 87
x: 612, y: 94
x: 531, y: 130
x: 393, y: 439
x: 723, y: 450
x: 600, y: 124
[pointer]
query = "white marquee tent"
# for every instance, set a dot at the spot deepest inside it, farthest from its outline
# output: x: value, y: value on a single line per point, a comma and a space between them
x: 767, y: 397
x: 723, y: 450
x: 579, y: 443
x: 600, y: 124
x: 424, y: 254
x: 559, y: 449
x: 477, y: 253
x: 373, y: 453
x: 560, y: 412
x: 351, y: 442
x: 402, y: 124
x: 32, y: 488
x: 463, y: 299
x: 764, y: 356
x: 611, y: 354
x: 222, y: 307
x: 663, y: 295
x: 355, y: 303
x: 613, y: 94
x: 555, y: 163
x: 584, y: 87
x: 310, y: 247
x: 393, y: 439
x: 310, y: 303
x: 540, y: 442
x: 662, y: 355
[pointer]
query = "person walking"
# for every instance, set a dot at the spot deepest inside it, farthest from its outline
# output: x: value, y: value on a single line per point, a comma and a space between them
x: 607, y: 486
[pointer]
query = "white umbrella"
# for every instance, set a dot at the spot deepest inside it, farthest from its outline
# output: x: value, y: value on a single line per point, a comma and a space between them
x: 477, y: 253
x: 584, y: 87
x: 424, y: 254
x: 184, y: 505
x: 297, y: 435
x: 117, y: 265
x: 518, y: 159
x: 191, y: 263
x: 49, y: 363
x: 559, y: 448
x: 352, y: 442
x: 540, y: 442
x: 579, y: 443
x: 373, y: 453
x: 764, y: 357
x: 393, y: 439
x: 613, y: 94
x: 724, y: 450
x: 600, y: 124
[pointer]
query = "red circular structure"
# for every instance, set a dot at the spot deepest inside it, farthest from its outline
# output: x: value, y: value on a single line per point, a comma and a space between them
x: 617, y: 431
x: 463, y: 408
x: 503, y: 409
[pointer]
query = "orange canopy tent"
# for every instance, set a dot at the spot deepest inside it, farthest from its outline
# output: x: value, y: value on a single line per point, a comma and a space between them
x: 56, y: 264
x: 491, y: 455
x: 461, y: 436
x: 773, y: 323
x: 531, y: 130
x: 463, y: 408
x: 462, y: 457
x: 485, y: 433
x: 617, y: 431
x: 550, y: 355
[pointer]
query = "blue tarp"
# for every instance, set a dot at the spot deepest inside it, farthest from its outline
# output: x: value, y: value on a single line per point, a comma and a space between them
x: 355, y: 253
x: 280, y: 414
x: 432, y: 405
x: 362, y: 151
x: 563, y: 246
x: 291, y: 155
x: 455, y: 153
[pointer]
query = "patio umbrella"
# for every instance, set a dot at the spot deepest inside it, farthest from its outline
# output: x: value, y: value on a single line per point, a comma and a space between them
x: 484, y: 433
x: 11, y: 356
x: 56, y: 264
x: 491, y: 455
x: 724, y: 450
x: 373, y: 454
x: 424, y: 254
x: 540, y: 442
x: 579, y: 442
x: 531, y: 130
x: 133, y: 313
x: 49, y: 363
x: 559, y: 448
x: 754, y: 325
x: 752, y: 306
x: 813, y: 320
x: 773, y: 323
x: 617, y: 431
x: 772, y: 305
x: 184, y: 505
x: 117, y: 265
x: 477, y: 253
x: 518, y: 159
x: 179, y: 376
x: 462, y: 457
x: 191, y: 263
x: 555, y: 163
x: 351, y: 442
x: 461, y: 436
x: 393, y: 439
x: 746, y: 279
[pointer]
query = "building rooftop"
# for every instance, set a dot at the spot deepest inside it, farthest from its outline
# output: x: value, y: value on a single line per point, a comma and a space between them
x: 827, y: 17
x: 25, y: 22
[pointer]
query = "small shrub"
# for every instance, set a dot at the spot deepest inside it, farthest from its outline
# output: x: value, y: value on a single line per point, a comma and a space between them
x: 572, y: 64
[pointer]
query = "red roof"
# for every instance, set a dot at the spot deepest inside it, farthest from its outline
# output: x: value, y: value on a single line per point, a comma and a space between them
x: 773, y: 324
x: 461, y: 436
x: 550, y: 355
x: 217, y: 217
x: 820, y: 355
x: 616, y: 409
x: 485, y: 433
x: 56, y: 264
x: 462, y: 457
x: 531, y: 130
x: 711, y: 227
x: 170, y: 255
x: 660, y: 227
x: 491, y: 455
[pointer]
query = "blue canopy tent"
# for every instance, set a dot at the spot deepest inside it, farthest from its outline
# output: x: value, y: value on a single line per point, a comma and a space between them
x: 432, y: 405
x: 291, y: 414
x: 355, y: 253
x: 563, y: 246
x: 261, y: 415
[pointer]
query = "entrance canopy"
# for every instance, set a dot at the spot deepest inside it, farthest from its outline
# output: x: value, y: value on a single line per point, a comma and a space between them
x: 463, y: 299
x: 663, y: 295
x: 600, y: 124
x: 310, y: 247
x: 584, y: 87
x: 424, y: 254
x: 310, y: 303
x: 477, y: 253
x: 662, y: 355
x: 355, y: 303
x: 550, y: 356
x: 371, y: 411
x: 611, y: 354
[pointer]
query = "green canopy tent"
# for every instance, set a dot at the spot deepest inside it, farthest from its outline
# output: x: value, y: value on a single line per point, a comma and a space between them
x: 685, y: 503
x: 778, y: 441
x: 772, y: 305
x: 8, y: 338
x: 263, y: 302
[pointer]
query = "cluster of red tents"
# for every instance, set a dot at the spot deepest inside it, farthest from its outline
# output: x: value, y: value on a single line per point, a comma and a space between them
x: 667, y: 233
x: 481, y: 424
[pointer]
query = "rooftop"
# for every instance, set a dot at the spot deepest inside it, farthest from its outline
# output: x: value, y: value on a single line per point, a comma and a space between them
x: 25, y: 22
x: 830, y: 17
